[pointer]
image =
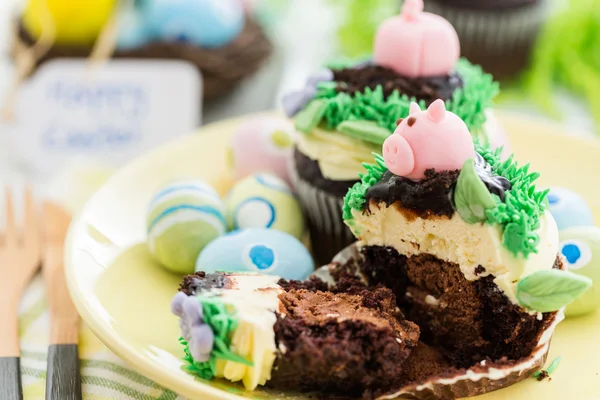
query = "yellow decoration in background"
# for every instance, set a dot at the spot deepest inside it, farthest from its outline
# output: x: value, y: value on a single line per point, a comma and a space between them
x: 77, y: 22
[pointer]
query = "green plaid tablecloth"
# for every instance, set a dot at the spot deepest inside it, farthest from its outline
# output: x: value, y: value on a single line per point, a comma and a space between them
x: 104, y: 376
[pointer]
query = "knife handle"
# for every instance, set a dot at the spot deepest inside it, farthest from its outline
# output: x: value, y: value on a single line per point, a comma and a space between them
x: 10, y: 378
x: 63, y: 381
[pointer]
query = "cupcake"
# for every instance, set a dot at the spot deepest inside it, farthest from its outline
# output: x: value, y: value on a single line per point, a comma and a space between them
x: 217, y: 37
x: 344, y: 114
x: 497, y: 34
x: 453, y: 290
x: 467, y: 246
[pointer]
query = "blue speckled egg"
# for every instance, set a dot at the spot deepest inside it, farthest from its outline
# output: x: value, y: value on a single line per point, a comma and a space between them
x: 580, y: 250
x: 257, y: 250
x: 182, y: 219
x: 204, y: 23
x: 569, y: 209
x: 264, y: 201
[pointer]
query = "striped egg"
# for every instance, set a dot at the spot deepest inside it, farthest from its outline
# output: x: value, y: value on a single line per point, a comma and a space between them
x: 182, y: 219
x: 264, y: 201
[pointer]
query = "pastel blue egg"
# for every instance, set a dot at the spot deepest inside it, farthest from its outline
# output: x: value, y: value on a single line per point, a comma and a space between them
x: 132, y: 32
x: 259, y: 250
x: 204, y: 23
x: 569, y: 209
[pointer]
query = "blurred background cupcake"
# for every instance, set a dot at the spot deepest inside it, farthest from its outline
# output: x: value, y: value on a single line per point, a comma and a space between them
x: 497, y: 34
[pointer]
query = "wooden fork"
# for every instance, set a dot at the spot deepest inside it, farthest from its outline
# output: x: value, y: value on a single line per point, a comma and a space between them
x: 63, y: 381
x: 19, y: 260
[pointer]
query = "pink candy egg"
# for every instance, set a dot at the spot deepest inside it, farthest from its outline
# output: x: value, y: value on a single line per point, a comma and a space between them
x: 416, y: 43
x: 263, y: 144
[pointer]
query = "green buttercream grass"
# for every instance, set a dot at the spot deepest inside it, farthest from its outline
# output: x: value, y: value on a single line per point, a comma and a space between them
x: 519, y: 214
x: 223, y: 323
x: 331, y: 107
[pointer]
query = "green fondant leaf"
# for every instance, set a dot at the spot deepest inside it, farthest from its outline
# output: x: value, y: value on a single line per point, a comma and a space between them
x: 367, y: 131
x: 550, y: 290
x: 471, y: 196
x: 307, y: 119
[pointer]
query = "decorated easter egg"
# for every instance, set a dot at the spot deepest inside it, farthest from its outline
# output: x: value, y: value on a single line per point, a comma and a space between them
x: 182, y: 219
x: 133, y: 33
x: 568, y: 208
x: 580, y: 250
x: 204, y: 23
x: 416, y: 43
x: 257, y: 250
x: 264, y: 201
x: 73, y: 22
x: 263, y: 144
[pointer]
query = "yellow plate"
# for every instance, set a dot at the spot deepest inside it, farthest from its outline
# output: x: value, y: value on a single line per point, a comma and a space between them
x: 124, y: 296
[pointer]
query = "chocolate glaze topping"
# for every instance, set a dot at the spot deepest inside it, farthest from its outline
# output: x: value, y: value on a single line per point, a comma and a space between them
x: 432, y: 195
x: 356, y: 79
x: 200, y: 280
x: 495, y: 184
x: 429, y: 196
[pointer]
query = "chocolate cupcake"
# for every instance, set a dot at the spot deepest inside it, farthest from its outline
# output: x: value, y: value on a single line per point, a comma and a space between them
x: 466, y: 244
x: 224, y: 50
x: 497, y: 34
x: 345, y: 113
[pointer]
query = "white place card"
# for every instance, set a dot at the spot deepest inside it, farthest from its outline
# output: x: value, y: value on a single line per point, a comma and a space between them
x: 109, y: 114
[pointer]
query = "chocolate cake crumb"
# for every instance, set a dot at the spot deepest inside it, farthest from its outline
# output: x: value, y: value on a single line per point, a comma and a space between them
x: 479, y: 270
x: 312, y: 284
x: 341, y: 343
x: 352, y: 80
x: 430, y: 196
x: 542, y: 375
x: 200, y: 280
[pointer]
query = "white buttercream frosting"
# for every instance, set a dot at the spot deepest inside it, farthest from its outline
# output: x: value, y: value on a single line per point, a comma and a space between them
x: 456, y: 241
x: 339, y: 156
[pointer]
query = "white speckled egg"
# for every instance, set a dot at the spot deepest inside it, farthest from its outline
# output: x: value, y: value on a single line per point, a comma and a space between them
x: 568, y: 208
x: 264, y: 201
x: 263, y: 144
x: 182, y: 219
x: 257, y: 250
x: 580, y: 250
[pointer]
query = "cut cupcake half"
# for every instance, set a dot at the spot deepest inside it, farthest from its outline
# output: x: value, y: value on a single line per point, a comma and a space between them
x: 293, y: 335
x: 466, y: 244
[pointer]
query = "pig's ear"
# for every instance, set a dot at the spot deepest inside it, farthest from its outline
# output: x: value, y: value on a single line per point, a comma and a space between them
x: 414, y: 107
x: 437, y: 110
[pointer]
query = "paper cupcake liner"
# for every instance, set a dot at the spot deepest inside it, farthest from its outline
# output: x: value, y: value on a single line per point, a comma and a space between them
x: 323, y: 212
x: 498, y: 39
x: 474, y: 381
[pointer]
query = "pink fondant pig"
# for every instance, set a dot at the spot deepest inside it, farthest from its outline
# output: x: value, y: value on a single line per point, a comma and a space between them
x: 263, y: 144
x: 417, y: 43
x: 434, y: 138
